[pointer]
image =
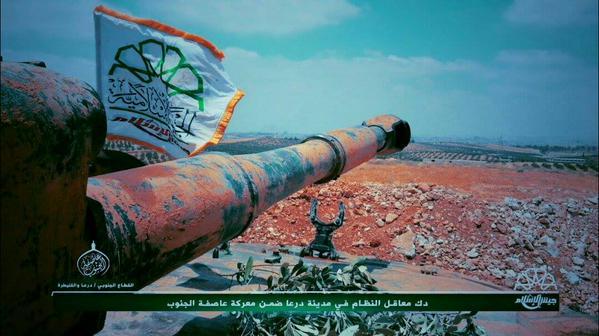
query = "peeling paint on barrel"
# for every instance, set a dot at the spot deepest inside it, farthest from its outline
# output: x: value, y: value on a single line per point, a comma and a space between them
x: 187, y: 207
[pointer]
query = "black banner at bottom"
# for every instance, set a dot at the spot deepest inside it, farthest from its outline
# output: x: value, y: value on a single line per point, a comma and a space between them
x: 306, y: 301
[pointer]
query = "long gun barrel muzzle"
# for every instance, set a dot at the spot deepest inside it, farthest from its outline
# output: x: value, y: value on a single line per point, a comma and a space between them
x: 153, y: 219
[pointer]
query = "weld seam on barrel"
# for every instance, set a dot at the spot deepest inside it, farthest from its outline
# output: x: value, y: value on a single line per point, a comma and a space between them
x: 253, y: 191
x: 339, y: 153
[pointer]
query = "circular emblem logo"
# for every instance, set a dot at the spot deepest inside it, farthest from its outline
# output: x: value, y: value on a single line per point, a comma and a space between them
x: 535, y: 279
x: 93, y: 262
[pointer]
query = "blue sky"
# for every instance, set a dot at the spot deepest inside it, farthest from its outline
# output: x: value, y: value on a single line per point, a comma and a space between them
x: 523, y: 70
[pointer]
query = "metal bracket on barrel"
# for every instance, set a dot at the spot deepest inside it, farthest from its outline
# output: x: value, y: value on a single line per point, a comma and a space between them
x: 339, y: 153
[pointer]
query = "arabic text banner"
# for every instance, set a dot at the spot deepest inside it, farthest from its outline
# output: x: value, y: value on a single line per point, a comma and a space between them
x: 308, y: 301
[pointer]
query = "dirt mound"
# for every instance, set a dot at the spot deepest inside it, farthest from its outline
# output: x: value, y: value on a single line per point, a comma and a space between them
x: 464, y: 230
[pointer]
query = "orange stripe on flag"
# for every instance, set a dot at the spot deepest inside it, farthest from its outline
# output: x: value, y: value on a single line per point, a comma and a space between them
x: 164, y: 28
x: 222, y: 125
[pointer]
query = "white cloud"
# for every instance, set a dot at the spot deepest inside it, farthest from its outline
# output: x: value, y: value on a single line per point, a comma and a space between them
x: 535, y: 57
x: 49, y: 19
x: 241, y: 53
x: 553, y: 12
x: 74, y: 20
x: 323, y: 93
x: 543, y: 68
x: 508, y: 96
x: 539, y: 93
x: 266, y: 17
x: 431, y: 66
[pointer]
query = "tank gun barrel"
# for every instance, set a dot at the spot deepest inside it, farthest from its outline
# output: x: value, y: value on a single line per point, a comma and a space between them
x: 148, y: 220
x: 155, y: 218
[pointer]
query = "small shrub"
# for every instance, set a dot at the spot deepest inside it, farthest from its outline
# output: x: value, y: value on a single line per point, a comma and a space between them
x: 570, y: 166
x: 583, y: 167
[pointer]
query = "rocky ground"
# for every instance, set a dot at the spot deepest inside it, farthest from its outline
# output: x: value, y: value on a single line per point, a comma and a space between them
x: 441, y: 226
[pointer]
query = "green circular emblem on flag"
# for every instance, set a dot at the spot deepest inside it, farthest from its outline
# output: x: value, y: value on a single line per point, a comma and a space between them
x: 151, y: 59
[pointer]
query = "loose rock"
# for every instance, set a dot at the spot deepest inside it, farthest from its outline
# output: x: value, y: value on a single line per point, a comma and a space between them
x: 404, y: 244
x: 572, y: 278
x: 578, y: 261
x: 424, y: 187
x: 472, y: 254
x: 513, y: 203
x: 390, y: 218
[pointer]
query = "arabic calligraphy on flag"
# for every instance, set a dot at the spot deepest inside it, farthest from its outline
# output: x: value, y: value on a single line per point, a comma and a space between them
x: 162, y: 88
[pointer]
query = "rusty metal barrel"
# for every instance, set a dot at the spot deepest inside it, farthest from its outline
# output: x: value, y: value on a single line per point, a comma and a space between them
x: 156, y: 218
x: 52, y: 127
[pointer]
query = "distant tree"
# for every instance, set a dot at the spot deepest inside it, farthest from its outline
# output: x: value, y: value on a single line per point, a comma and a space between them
x: 570, y: 166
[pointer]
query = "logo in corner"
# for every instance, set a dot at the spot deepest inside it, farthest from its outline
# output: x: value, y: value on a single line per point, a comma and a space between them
x: 535, y: 279
x: 93, y: 262
x: 532, y: 302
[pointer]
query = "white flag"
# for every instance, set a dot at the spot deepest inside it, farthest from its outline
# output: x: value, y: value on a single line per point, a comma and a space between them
x: 162, y: 88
